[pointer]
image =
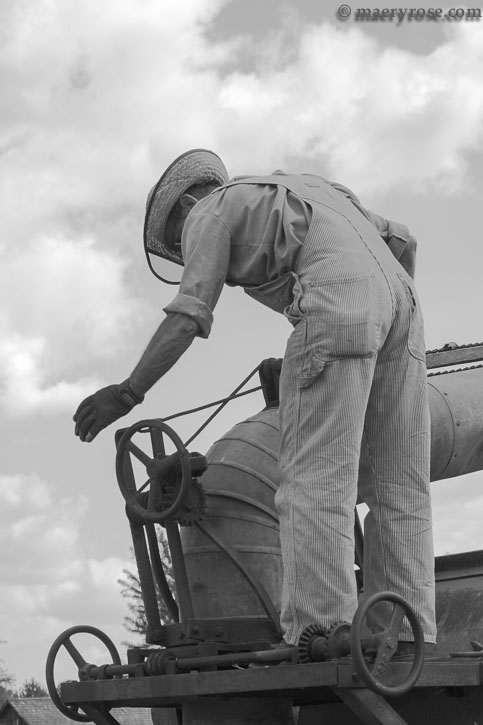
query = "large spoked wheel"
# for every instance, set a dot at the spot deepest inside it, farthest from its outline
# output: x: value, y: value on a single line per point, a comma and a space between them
x: 150, y: 507
x: 372, y: 673
x: 64, y: 639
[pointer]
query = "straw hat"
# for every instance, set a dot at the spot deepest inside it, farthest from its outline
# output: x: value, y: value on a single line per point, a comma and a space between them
x: 197, y: 166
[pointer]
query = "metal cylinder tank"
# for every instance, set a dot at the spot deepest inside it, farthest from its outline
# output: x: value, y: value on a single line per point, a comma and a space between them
x: 240, y: 486
x: 456, y: 402
x: 242, y: 478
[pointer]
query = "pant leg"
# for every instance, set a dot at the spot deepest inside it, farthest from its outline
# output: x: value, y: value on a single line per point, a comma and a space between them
x: 321, y: 425
x: 398, y: 550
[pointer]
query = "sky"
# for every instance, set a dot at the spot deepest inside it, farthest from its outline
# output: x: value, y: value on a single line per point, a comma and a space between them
x: 97, y: 99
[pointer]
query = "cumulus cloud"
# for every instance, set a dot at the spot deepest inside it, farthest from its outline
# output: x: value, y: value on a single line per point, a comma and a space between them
x: 100, y: 99
x: 91, y: 89
x: 32, y: 510
x: 48, y: 583
x: 376, y: 117
x: 64, y: 303
x: 81, y: 136
x: 15, y: 489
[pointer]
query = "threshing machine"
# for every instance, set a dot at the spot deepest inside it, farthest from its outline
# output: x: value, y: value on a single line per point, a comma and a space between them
x: 221, y: 661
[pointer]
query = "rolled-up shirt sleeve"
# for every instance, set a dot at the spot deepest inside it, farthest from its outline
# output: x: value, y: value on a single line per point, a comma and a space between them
x: 196, y: 309
x: 205, y: 246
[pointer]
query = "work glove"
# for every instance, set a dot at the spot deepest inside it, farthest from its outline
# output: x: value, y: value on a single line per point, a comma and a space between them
x: 98, y: 411
x: 270, y: 370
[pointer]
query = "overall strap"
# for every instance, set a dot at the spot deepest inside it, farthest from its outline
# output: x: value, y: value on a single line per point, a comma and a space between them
x: 308, y: 186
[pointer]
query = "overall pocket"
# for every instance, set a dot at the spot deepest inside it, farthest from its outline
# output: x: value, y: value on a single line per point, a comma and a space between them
x: 343, y: 319
x: 416, y: 345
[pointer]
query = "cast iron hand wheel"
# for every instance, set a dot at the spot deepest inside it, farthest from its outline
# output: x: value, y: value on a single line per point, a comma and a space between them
x: 156, y: 468
x: 83, y: 666
x: 386, y: 643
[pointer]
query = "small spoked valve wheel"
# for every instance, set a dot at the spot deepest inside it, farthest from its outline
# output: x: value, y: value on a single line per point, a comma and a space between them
x: 65, y: 640
x: 383, y: 646
x: 157, y: 499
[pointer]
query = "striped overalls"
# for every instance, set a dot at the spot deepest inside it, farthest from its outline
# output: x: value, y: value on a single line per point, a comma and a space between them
x: 354, y: 367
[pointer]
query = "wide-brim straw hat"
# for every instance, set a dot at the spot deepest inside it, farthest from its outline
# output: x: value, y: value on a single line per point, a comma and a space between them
x: 197, y: 166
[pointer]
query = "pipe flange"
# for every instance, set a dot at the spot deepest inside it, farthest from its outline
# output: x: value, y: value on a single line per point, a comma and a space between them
x: 339, y: 639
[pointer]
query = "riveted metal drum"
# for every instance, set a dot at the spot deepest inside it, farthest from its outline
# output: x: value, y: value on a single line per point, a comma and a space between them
x: 240, y: 486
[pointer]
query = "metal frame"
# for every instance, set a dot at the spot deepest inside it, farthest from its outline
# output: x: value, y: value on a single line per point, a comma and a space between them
x: 307, y: 683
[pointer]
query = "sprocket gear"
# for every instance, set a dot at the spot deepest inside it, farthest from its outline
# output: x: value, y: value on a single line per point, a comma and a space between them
x: 156, y: 663
x: 311, y: 634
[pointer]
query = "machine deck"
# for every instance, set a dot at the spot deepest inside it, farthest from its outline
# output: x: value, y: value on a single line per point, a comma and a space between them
x: 312, y: 682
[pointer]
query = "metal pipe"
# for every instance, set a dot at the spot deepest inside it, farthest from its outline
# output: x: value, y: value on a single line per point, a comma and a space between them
x: 158, y: 572
x: 287, y: 654
x: 456, y: 403
x: 185, y: 602
x: 153, y: 631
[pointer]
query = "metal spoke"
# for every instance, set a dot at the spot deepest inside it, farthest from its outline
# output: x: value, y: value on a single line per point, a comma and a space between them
x: 138, y: 453
x: 395, y: 622
x: 74, y: 653
x: 144, y: 485
x: 389, y: 642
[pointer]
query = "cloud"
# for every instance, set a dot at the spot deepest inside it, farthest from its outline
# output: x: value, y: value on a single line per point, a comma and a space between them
x: 375, y: 117
x: 14, y: 489
x: 100, y: 99
x: 91, y: 89
x: 50, y: 583
x: 61, y: 301
x: 33, y: 511
x: 80, y: 138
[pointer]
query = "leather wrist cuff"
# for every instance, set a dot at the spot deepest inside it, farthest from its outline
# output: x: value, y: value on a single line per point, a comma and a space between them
x: 128, y: 395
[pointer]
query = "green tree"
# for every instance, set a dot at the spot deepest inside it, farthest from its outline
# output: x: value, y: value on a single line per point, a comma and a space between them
x: 135, y: 621
x: 32, y: 688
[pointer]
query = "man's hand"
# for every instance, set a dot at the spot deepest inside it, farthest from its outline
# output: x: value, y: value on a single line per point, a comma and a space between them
x: 100, y: 410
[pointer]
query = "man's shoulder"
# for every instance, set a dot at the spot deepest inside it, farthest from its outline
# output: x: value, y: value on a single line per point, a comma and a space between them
x: 223, y: 196
x: 236, y: 192
x: 222, y: 206
x: 234, y: 203
x: 275, y: 177
x: 249, y: 190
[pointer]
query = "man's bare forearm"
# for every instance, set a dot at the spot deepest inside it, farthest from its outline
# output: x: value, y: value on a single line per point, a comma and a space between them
x: 172, y: 338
